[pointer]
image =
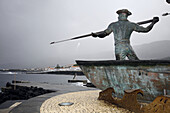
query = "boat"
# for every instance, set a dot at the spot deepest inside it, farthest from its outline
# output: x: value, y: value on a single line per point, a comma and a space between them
x: 151, y: 76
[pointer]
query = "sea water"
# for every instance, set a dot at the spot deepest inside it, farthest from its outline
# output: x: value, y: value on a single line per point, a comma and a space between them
x: 40, y: 78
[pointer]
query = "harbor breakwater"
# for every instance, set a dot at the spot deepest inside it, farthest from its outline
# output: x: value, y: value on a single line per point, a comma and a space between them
x: 59, y: 72
x: 66, y: 72
x: 12, y: 92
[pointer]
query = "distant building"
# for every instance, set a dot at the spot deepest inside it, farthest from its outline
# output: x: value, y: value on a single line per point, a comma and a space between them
x: 75, y: 68
x: 65, y: 68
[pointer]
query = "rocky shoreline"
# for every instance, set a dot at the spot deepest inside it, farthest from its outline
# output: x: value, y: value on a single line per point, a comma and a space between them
x: 12, y: 92
x: 66, y: 72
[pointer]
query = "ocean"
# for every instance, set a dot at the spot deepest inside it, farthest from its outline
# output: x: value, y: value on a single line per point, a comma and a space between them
x: 41, y: 78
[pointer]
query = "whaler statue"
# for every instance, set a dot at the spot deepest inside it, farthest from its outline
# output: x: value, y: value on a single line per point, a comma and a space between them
x: 127, y: 78
x: 122, y: 30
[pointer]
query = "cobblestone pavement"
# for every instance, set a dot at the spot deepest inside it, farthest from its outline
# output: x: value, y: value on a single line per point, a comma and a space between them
x: 84, y: 102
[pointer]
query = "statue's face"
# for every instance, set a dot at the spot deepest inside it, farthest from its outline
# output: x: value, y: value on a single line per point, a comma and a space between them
x: 122, y: 16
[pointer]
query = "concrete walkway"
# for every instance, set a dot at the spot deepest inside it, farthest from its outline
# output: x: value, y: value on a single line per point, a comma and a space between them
x: 33, y: 105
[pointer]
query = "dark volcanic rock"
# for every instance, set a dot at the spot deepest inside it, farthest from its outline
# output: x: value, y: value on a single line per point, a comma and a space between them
x: 20, y: 93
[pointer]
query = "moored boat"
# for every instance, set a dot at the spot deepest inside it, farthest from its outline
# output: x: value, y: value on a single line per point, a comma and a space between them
x: 151, y: 76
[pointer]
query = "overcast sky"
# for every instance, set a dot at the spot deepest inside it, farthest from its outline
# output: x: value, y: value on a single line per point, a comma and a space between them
x: 28, y: 26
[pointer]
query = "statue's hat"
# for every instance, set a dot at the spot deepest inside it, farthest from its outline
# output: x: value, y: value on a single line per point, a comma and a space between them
x: 124, y: 11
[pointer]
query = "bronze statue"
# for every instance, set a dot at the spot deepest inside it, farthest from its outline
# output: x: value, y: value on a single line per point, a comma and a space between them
x: 122, y: 30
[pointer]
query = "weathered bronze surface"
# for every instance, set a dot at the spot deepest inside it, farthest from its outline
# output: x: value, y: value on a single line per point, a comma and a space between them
x: 151, y: 76
x: 160, y: 105
x: 129, y: 101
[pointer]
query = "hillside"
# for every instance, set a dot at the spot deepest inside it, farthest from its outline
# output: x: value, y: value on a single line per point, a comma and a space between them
x: 154, y: 50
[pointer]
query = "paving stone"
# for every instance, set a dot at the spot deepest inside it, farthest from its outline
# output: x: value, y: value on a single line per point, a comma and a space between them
x: 84, y: 102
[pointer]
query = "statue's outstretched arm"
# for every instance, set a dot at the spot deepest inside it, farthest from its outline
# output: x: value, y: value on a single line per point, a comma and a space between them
x: 104, y: 33
x: 101, y: 34
x: 139, y: 28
